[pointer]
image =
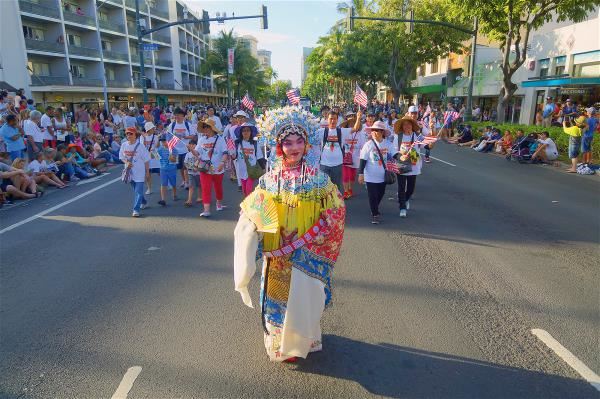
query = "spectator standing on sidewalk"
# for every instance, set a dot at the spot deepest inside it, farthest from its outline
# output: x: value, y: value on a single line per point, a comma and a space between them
x: 82, y: 120
x: 136, y: 157
x: 48, y: 128
x: 548, y: 112
x: 588, y: 134
x: 11, y: 134
x: 574, y: 132
x: 35, y: 136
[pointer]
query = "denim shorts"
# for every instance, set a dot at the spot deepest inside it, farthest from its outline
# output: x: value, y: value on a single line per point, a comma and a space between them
x: 586, y: 144
x: 574, y: 146
x: 168, y: 178
x: 180, y: 159
x: 194, y: 180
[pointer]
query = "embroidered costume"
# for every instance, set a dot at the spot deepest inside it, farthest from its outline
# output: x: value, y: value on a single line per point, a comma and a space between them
x: 294, y: 222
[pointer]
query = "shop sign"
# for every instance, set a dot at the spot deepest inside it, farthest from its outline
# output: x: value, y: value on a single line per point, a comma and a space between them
x: 121, y: 98
x: 575, y: 90
x: 59, y: 99
x: 90, y: 100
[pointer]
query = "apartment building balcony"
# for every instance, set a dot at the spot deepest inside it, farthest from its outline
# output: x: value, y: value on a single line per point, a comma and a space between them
x: 164, y: 63
x: 112, y: 55
x: 132, y: 28
x: 42, y: 8
x: 37, y: 80
x: 159, y: 13
x: 108, y: 25
x: 135, y: 59
x: 42, y: 45
x: 84, y: 51
x: 166, y: 86
x: 118, y: 83
x: 184, y: 67
x: 162, y: 37
x: 79, y: 19
x: 142, y: 3
x: 84, y: 81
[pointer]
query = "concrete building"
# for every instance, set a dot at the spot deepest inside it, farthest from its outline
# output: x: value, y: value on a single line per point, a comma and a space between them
x: 264, y: 58
x: 303, y: 65
x: 52, y: 49
x: 251, y: 43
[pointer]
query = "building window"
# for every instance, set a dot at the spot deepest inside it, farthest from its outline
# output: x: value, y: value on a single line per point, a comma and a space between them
x: 102, y: 16
x: 434, y: 66
x: 74, y: 40
x: 33, y: 33
x: 106, y: 45
x: 39, y: 68
x: 544, y: 67
x: 78, y: 71
x: 110, y: 74
x: 587, y: 64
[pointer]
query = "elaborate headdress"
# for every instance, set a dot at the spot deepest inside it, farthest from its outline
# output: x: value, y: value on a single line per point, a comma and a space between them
x: 279, y: 123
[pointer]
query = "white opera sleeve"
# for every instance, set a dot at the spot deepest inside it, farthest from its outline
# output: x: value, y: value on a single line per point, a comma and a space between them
x: 244, y: 256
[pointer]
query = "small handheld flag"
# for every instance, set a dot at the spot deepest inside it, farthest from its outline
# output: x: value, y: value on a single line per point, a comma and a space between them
x: 172, y: 142
x: 360, y: 97
x: 293, y: 96
x: 247, y: 102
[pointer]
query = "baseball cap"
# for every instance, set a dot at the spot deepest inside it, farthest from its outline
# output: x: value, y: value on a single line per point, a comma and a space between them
x: 148, y: 126
x: 591, y: 110
x: 412, y: 109
x: 241, y: 113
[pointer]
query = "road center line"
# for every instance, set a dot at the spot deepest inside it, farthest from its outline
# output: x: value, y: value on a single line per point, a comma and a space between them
x: 49, y: 210
x: 566, y: 355
x: 127, y: 382
x: 437, y: 159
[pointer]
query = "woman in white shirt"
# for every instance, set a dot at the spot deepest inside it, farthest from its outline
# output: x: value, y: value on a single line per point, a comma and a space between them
x: 136, y: 157
x: 247, y: 150
x: 150, y: 141
x: 61, y: 127
x: 373, y: 158
x: 408, y: 143
x: 212, y: 153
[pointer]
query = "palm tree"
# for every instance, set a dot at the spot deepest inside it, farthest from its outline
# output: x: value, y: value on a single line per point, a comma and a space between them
x: 361, y: 8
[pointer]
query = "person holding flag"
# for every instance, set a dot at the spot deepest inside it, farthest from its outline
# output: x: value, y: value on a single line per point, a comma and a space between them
x: 293, y: 96
x: 449, y: 117
x: 182, y: 131
x: 247, y: 102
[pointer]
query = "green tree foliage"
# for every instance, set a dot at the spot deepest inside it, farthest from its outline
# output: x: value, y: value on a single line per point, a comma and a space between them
x: 247, y: 75
x: 510, y: 22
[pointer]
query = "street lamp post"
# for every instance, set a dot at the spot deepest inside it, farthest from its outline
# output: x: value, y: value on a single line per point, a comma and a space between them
x: 102, y: 68
x: 468, y: 116
x: 141, y: 32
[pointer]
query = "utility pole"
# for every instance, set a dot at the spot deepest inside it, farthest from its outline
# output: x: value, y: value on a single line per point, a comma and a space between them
x: 102, y: 69
x: 141, y: 53
x: 468, y: 116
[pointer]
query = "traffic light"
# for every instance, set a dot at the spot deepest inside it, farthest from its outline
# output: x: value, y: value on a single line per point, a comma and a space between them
x: 350, y: 20
x: 264, y: 23
x: 205, y: 23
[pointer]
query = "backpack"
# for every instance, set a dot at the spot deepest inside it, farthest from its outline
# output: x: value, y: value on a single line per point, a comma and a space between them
x: 185, y: 122
x: 339, y: 137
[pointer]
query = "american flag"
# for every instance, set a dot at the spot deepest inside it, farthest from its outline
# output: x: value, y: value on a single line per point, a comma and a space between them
x: 246, y: 102
x: 450, y: 116
x: 427, y: 112
x: 230, y: 144
x: 360, y: 97
x: 428, y: 140
x: 293, y: 96
x: 172, y: 142
x: 392, y: 166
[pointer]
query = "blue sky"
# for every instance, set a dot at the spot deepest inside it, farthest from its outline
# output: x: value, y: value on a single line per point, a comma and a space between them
x: 292, y: 25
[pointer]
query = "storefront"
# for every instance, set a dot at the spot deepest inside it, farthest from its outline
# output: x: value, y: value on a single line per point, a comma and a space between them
x: 435, y: 95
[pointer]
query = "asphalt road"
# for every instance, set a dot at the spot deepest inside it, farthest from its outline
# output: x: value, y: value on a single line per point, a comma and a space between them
x: 438, y: 305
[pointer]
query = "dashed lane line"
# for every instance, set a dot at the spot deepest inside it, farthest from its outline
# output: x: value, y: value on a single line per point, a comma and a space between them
x: 566, y: 355
x: 127, y: 382
x: 52, y: 209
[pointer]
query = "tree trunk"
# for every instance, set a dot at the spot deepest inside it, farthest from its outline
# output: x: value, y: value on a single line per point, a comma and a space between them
x: 506, y: 94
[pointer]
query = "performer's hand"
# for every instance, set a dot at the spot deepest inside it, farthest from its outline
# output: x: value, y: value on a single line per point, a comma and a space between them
x: 361, y: 179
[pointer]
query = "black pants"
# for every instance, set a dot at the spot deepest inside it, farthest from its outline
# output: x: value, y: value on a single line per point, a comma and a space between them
x: 376, y: 192
x: 406, y: 188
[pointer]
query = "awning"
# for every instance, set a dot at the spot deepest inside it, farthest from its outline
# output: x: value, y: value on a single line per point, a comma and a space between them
x: 7, y: 87
x: 560, y: 82
x: 427, y: 89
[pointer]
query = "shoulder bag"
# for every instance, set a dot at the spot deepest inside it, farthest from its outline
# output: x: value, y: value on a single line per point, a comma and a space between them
x: 389, y: 177
x: 126, y: 173
x: 204, y: 166
x: 254, y: 171
x: 405, y: 166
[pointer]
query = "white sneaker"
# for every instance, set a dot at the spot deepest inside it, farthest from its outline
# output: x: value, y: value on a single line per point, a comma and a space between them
x: 148, y: 192
x: 205, y: 215
x: 135, y: 214
x: 402, y: 213
x: 143, y: 206
x: 221, y: 207
x: 407, y: 205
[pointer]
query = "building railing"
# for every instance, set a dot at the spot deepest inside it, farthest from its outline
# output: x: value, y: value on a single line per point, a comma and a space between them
x: 118, y: 83
x: 84, y: 51
x: 184, y: 67
x: 131, y: 4
x: 38, y: 80
x: 111, y: 55
x: 79, y: 19
x: 159, y: 13
x: 166, y: 86
x: 45, y: 8
x: 135, y: 58
x: 164, y: 63
x: 83, y: 81
x: 108, y: 25
x: 42, y: 45
x: 132, y: 28
x: 162, y: 38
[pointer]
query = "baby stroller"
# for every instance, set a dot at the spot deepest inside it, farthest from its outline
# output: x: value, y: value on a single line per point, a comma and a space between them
x: 520, y: 151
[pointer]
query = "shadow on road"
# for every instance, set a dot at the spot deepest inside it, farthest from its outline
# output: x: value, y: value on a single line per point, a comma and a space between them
x: 401, y: 372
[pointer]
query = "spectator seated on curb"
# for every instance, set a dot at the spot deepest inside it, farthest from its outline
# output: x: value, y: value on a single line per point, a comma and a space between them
x: 466, y: 136
x: 67, y: 165
x: 82, y: 162
x: 100, y: 153
x: 487, y: 144
x: 546, y: 150
x: 106, y: 146
x: 504, y: 145
x: 38, y: 170
x: 15, y: 184
x: 486, y: 134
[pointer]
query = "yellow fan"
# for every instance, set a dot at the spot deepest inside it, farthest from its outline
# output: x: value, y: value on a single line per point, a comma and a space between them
x: 261, y: 209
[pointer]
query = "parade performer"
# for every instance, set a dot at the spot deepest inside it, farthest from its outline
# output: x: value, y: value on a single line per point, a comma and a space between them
x: 294, y: 222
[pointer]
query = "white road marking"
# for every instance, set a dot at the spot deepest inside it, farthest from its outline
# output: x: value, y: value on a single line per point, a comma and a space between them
x: 153, y: 249
x: 49, y: 210
x: 572, y: 360
x: 127, y: 382
x: 437, y: 159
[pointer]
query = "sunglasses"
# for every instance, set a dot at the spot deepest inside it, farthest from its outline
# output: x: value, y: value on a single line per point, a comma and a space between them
x: 130, y: 134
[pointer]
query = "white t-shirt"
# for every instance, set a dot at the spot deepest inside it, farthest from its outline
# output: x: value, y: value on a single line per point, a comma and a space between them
x: 154, y: 158
x: 32, y: 129
x: 229, y: 132
x: 354, y: 142
x: 140, y: 157
x: 415, y: 156
x: 218, y: 123
x: 551, y: 150
x: 117, y: 119
x: 60, y: 131
x: 179, y: 130
x: 36, y: 167
x: 46, y: 122
x: 331, y: 153
x: 248, y: 152
x: 218, y: 147
x: 374, y: 168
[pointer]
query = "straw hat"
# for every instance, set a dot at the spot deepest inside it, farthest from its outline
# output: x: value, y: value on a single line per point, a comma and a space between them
x: 210, y: 123
x: 399, y: 122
